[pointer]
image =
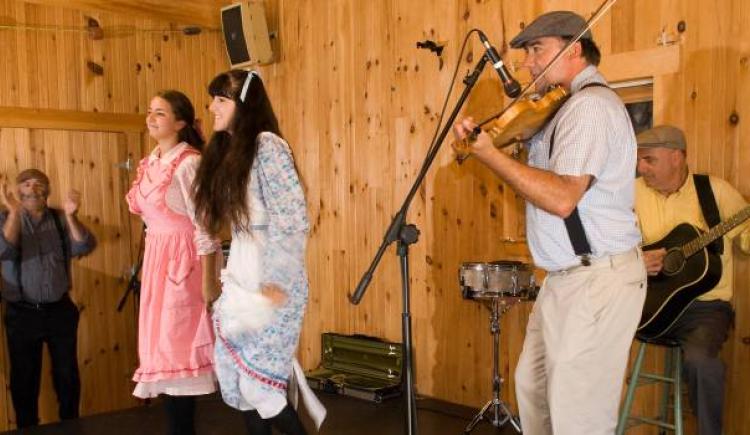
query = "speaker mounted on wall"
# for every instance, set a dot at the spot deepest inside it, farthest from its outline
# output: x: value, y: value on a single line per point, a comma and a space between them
x: 246, y: 34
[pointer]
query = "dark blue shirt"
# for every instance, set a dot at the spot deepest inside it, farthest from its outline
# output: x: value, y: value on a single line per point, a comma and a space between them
x: 35, y: 271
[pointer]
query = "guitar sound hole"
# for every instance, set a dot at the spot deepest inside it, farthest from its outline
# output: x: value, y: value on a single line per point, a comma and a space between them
x: 674, y: 261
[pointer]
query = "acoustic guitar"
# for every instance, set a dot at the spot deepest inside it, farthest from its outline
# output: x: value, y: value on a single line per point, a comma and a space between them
x: 689, y: 270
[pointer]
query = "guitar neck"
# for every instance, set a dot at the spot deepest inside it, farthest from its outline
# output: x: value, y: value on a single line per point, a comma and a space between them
x: 714, y: 233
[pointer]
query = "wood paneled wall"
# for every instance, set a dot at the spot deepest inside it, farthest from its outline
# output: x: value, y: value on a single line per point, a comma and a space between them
x: 359, y: 104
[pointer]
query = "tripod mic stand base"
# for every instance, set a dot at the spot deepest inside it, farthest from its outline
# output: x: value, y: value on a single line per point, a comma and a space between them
x: 499, y: 415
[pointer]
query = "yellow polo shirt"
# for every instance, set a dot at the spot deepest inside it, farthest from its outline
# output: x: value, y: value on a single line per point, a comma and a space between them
x: 659, y: 214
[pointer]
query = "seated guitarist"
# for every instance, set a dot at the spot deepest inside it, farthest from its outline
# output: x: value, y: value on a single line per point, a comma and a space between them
x: 666, y: 196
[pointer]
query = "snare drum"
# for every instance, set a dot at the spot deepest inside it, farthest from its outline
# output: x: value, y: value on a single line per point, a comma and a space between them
x: 498, y: 279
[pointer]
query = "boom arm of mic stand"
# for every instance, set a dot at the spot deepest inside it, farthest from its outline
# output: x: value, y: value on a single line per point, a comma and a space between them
x: 391, y: 235
x: 394, y: 230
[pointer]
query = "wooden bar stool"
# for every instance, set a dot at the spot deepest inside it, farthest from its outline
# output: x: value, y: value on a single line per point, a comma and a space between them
x: 671, y: 388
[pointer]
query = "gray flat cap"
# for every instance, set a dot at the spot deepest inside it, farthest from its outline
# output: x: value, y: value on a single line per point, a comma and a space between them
x: 556, y: 23
x: 662, y: 136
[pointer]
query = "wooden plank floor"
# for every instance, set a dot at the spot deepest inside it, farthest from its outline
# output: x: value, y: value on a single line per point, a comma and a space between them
x: 345, y: 416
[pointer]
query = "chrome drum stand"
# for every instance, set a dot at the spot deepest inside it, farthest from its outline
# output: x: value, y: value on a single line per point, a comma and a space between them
x: 496, y: 412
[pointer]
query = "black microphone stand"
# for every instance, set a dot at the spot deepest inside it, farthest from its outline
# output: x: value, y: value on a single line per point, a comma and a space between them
x: 134, y: 282
x: 406, y: 234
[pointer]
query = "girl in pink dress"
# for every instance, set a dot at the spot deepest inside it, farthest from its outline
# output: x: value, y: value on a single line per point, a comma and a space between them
x: 175, y: 338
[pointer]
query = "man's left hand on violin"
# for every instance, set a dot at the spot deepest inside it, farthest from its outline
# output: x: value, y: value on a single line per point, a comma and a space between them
x: 479, y: 145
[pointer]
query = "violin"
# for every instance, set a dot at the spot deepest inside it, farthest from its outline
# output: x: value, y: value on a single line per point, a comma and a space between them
x: 518, y: 123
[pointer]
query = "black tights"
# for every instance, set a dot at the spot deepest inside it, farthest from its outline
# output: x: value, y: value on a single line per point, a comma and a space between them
x: 287, y: 422
x: 180, y: 414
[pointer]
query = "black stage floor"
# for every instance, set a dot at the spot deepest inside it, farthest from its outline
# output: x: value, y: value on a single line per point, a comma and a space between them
x: 345, y: 416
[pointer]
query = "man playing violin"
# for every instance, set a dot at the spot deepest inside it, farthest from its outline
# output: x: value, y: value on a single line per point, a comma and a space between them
x: 582, y: 230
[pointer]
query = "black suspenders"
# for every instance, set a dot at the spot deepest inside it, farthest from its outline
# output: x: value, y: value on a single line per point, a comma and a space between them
x: 63, y: 246
x: 63, y: 240
x: 709, y: 208
x: 573, y: 223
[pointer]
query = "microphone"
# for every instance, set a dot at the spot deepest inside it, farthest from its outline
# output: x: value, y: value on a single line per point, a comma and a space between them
x: 510, y: 85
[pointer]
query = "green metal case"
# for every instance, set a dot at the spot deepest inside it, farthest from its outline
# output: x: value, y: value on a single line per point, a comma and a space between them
x: 358, y: 366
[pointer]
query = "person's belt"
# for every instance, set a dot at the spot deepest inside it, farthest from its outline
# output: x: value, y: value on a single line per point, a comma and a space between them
x: 40, y: 306
x: 612, y: 260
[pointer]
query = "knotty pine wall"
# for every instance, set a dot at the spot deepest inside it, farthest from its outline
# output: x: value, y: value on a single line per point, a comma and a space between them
x: 359, y: 104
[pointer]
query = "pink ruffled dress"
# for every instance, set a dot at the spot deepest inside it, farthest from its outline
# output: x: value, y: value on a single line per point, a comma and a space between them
x: 175, y: 337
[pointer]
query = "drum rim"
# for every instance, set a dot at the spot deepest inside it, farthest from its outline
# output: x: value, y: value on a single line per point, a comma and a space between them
x: 474, y: 265
x: 513, y: 263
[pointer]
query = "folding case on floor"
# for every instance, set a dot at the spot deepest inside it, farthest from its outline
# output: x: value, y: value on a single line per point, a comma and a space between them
x: 358, y: 366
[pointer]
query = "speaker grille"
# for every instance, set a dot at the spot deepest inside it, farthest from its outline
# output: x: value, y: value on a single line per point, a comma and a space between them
x: 234, y: 37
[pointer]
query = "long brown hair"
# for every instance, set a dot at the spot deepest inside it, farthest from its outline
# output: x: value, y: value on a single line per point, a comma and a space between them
x: 183, y: 111
x: 220, y: 186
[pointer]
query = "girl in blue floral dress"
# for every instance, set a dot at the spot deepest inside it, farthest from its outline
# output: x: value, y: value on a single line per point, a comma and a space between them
x: 247, y: 181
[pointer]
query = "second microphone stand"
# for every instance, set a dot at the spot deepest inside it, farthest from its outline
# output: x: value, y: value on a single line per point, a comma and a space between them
x: 134, y: 281
x: 407, y: 234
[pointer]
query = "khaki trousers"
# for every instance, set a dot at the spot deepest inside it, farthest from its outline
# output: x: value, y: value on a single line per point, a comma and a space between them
x: 571, y: 369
